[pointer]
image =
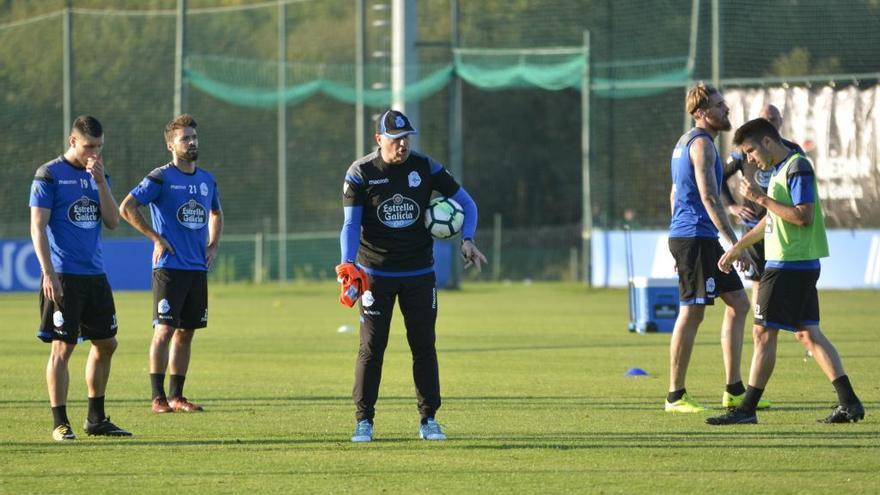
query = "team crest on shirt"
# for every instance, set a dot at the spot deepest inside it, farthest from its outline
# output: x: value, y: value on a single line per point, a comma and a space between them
x: 203, y: 188
x: 762, y: 177
x: 192, y: 215
x: 164, y: 306
x: 398, y: 211
x: 414, y: 179
x: 710, y: 285
x: 85, y: 213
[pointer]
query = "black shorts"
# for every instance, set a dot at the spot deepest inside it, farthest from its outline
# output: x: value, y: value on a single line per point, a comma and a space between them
x: 180, y: 298
x: 788, y: 299
x: 86, y: 311
x: 757, y: 252
x: 699, y: 279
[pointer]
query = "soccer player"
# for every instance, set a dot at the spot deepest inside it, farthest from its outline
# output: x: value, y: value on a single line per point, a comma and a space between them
x: 187, y: 223
x: 794, y: 235
x: 384, y: 196
x: 748, y: 212
x: 70, y: 200
x: 697, y: 218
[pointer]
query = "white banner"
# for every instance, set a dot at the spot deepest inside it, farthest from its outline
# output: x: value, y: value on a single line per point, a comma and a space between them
x: 838, y: 128
x: 854, y: 262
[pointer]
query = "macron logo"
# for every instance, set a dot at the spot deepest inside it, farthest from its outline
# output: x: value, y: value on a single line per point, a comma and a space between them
x: 373, y: 182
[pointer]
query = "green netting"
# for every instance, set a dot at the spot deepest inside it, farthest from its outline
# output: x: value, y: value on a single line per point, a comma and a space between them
x: 638, y: 78
x: 254, y: 83
x: 551, y: 69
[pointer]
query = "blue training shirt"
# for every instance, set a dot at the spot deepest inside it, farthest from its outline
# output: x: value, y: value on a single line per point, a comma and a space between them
x: 689, y: 216
x: 74, y: 228
x: 180, y: 205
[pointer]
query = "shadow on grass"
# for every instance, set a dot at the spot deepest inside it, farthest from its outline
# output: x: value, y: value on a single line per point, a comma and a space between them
x: 526, y: 348
x: 652, y: 403
x: 833, y: 439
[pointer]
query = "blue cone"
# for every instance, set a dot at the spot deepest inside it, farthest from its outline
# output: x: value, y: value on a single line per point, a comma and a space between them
x: 635, y: 372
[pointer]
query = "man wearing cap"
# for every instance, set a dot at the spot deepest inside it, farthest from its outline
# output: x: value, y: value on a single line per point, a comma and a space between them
x: 383, y: 237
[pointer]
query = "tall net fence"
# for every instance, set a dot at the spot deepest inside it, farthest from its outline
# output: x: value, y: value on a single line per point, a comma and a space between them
x: 521, y: 63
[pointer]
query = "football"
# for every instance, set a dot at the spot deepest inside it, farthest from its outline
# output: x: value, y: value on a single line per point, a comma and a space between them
x: 444, y: 218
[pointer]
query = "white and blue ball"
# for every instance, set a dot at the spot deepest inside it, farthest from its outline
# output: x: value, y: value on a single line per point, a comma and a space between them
x: 444, y: 218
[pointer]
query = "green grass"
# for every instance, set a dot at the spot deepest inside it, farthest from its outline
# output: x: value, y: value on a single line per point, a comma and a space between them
x: 534, y: 401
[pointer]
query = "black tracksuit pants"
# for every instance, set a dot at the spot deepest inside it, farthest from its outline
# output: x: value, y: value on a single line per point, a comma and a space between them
x: 417, y: 296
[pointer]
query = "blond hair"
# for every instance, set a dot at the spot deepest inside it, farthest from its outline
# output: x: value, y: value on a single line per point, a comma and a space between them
x: 698, y: 97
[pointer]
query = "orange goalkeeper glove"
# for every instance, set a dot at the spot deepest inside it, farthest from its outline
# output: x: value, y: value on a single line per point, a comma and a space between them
x: 354, y: 283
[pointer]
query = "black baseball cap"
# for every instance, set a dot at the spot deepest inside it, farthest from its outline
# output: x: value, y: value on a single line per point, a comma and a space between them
x: 394, y: 125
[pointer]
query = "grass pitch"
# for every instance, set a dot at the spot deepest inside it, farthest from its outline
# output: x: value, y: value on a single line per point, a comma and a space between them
x: 535, y: 400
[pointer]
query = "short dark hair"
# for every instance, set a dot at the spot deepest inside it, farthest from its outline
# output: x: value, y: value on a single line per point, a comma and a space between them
x: 756, y: 130
x: 182, y: 121
x: 88, y: 126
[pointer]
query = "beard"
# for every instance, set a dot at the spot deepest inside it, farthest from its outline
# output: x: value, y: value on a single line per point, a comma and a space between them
x: 189, y: 155
x: 722, y: 124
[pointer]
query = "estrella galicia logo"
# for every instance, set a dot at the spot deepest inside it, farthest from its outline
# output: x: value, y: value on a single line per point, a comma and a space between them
x: 192, y: 215
x: 398, y: 212
x: 85, y: 213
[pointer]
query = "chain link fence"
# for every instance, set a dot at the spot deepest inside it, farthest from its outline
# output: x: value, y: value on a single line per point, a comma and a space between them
x: 521, y: 149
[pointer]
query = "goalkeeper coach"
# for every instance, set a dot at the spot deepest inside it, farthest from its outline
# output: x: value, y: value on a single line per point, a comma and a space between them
x: 387, y: 254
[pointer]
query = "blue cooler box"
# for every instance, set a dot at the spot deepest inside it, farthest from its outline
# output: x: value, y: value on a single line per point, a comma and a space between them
x: 656, y: 304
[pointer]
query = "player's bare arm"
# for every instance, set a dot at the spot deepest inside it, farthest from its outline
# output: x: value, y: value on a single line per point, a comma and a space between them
x: 748, y: 240
x: 703, y: 157
x: 130, y: 212
x: 800, y: 215
x: 109, y: 208
x: 51, y: 283
x: 215, y: 229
